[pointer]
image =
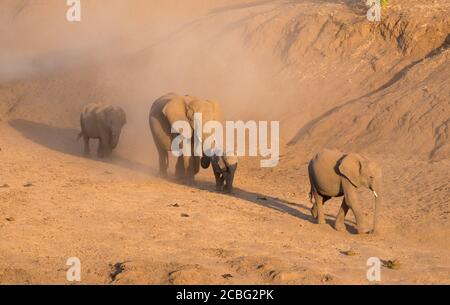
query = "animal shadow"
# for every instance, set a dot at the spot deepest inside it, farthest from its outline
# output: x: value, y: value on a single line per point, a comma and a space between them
x: 64, y: 140
x: 299, y: 210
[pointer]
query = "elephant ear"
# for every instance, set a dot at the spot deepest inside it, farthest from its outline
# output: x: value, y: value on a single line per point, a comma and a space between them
x: 351, y: 167
x: 193, y: 106
x: 175, y: 111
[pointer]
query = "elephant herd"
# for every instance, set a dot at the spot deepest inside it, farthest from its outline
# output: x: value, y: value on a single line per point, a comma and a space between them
x: 331, y: 172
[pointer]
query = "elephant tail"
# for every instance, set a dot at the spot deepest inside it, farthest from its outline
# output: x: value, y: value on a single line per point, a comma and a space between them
x: 310, y: 194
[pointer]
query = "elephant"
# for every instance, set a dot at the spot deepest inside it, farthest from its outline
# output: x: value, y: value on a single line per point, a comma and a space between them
x: 103, y: 122
x: 172, y: 108
x: 336, y: 174
x: 224, y: 167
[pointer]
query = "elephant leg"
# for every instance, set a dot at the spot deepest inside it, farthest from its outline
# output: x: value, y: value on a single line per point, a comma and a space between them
x: 352, y: 202
x: 101, y: 151
x: 86, y: 146
x: 104, y: 148
x: 108, y: 150
x: 314, y: 209
x: 340, y: 218
x: 163, y: 165
x: 163, y: 162
x: 228, y: 182
x: 219, y: 181
x: 318, y: 207
x: 230, y: 178
x: 196, y: 165
x: 189, y: 170
x: 179, y: 168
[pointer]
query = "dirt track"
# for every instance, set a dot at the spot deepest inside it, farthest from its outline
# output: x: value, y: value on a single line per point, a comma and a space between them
x: 128, y: 226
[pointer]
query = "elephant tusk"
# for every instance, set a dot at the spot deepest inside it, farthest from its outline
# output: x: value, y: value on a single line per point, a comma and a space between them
x: 375, y: 194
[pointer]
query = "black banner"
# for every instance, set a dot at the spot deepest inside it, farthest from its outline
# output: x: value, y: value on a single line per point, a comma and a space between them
x: 215, y: 294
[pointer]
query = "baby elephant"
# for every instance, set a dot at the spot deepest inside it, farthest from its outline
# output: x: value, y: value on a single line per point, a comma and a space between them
x: 103, y: 122
x: 224, y: 168
x: 336, y: 174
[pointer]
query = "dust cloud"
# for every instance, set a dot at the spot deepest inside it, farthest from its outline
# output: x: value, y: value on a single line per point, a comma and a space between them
x: 131, y: 52
x: 333, y: 80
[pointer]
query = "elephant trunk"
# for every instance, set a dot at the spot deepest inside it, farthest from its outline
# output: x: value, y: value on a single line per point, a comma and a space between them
x: 114, y: 140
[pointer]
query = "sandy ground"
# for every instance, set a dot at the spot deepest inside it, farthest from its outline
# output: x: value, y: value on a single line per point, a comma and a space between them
x: 161, y: 232
x: 380, y: 90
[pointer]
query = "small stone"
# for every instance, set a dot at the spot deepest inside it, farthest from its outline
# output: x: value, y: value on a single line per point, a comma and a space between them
x: 262, y: 198
x: 176, y: 205
x: 327, y: 278
x: 10, y: 219
x: 227, y: 276
x: 4, y: 185
x: 350, y: 253
x: 394, y: 265
x: 28, y: 184
x: 184, y: 215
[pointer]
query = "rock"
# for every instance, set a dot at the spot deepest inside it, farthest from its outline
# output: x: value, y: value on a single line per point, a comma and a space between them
x: 327, y: 278
x: 350, y: 253
x: 116, y: 269
x: 394, y: 265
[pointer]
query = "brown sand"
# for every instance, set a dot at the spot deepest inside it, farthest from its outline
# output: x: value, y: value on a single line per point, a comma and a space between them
x: 331, y: 77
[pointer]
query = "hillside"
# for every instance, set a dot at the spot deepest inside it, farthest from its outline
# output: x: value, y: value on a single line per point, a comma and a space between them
x: 332, y: 78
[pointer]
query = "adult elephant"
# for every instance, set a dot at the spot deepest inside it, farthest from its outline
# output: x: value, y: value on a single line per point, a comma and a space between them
x: 336, y: 174
x: 172, y: 108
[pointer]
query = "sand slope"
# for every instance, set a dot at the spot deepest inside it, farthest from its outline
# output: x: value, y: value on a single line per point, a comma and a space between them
x: 332, y: 78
